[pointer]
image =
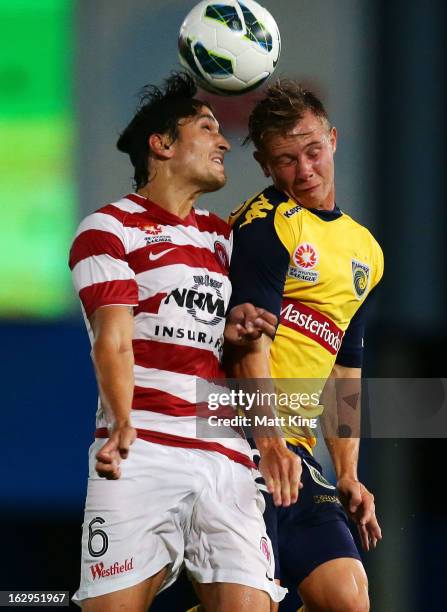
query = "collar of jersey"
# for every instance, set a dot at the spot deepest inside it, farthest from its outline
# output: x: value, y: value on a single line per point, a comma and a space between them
x: 324, y: 215
x: 160, y: 213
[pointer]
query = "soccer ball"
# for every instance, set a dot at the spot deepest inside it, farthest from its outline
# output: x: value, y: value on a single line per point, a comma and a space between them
x: 231, y: 46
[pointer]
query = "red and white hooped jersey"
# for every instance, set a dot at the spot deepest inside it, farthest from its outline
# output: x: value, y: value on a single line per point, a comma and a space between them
x: 174, y: 272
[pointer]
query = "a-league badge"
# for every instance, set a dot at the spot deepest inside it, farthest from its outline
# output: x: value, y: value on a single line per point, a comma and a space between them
x: 360, y: 278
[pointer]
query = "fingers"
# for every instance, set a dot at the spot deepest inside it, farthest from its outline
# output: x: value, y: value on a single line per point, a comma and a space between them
x: 366, y: 509
x: 370, y: 533
x: 364, y: 536
x: 108, y: 467
x: 355, y: 498
x: 109, y: 456
x: 266, y: 316
x: 295, y: 479
x: 126, y: 438
x: 282, y: 474
x: 261, y: 326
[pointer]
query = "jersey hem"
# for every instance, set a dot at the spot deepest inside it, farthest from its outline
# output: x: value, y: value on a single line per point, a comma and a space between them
x: 165, y: 439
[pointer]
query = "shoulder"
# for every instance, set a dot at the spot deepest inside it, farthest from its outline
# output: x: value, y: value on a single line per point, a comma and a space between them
x: 362, y: 232
x: 264, y: 207
x: 211, y: 222
x: 365, y: 239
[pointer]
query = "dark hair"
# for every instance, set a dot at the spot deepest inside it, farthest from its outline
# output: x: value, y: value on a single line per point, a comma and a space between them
x: 158, y: 112
x: 283, y: 105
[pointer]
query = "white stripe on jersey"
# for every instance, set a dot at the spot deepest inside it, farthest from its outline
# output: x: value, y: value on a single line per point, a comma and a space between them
x: 145, y: 327
x: 103, y: 222
x: 100, y: 269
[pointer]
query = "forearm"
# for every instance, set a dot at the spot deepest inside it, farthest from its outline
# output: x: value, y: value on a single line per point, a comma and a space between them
x: 114, y: 373
x: 250, y: 364
x: 341, y: 420
x: 344, y: 453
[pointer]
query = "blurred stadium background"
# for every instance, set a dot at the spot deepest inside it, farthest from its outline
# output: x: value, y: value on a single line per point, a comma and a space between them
x: 69, y: 75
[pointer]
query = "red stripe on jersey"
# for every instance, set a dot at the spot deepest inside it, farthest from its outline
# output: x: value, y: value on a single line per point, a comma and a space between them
x: 120, y: 292
x: 165, y: 253
x: 114, y: 212
x: 151, y: 305
x: 311, y: 323
x: 154, y: 400
x: 95, y: 242
x: 177, y: 358
x: 214, y: 224
x: 158, y: 437
x: 205, y: 223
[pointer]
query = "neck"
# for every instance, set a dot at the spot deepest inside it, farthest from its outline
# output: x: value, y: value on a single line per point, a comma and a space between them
x: 174, y: 196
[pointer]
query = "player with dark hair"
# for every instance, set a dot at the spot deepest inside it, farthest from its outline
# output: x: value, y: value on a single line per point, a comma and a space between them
x: 316, y: 268
x: 152, y: 275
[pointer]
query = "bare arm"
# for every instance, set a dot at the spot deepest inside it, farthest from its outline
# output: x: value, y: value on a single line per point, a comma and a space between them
x: 341, y: 427
x: 113, y: 360
x: 280, y: 467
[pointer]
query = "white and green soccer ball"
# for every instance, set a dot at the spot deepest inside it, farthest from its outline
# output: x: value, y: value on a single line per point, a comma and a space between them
x: 231, y: 46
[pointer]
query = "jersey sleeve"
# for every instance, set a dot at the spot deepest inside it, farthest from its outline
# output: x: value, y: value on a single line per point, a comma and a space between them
x: 101, y: 274
x: 260, y: 261
x: 350, y: 354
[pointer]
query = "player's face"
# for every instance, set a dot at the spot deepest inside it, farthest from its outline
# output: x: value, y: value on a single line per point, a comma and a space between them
x: 301, y: 162
x: 200, y: 149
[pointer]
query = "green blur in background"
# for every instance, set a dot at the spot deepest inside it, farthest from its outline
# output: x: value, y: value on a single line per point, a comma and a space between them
x: 37, y: 189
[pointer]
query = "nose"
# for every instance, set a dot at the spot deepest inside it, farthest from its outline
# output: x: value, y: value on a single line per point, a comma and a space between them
x: 224, y: 145
x: 304, y: 169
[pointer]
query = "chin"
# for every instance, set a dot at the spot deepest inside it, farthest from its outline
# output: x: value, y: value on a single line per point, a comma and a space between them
x: 214, y: 183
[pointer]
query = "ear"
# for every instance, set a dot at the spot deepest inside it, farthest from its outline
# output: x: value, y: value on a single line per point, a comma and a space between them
x: 261, y: 161
x: 333, y: 139
x: 160, y: 146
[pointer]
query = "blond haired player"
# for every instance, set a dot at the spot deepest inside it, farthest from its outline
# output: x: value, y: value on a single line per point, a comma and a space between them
x: 297, y: 254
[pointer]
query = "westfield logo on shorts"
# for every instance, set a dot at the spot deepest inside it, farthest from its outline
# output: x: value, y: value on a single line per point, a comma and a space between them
x: 312, y: 324
x: 99, y: 571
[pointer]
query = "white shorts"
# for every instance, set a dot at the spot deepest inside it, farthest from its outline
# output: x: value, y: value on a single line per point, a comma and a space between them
x: 173, y: 507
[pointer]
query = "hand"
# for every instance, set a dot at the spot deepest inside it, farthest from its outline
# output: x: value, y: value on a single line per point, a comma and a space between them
x: 109, y: 457
x: 246, y: 323
x: 359, y: 505
x: 281, y: 470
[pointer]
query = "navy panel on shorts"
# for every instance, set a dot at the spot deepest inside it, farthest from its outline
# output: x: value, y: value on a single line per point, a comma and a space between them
x: 310, y: 532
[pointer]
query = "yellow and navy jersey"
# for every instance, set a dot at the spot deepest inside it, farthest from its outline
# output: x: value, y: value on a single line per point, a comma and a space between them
x: 314, y: 270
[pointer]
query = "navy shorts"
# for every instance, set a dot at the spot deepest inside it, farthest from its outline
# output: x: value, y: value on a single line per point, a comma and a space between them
x: 310, y: 532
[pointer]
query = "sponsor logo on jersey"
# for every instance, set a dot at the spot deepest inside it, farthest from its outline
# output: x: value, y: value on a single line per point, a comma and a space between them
x: 360, y: 278
x: 193, y: 335
x: 311, y: 323
x: 204, y: 298
x: 153, y: 229
x: 309, y: 276
x: 155, y: 256
x: 157, y: 239
x: 292, y: 211
x: 257, y: 210
x: 327, y: 499
x: 221, y: 254
x: 305, y: 256
x: 99, y: 571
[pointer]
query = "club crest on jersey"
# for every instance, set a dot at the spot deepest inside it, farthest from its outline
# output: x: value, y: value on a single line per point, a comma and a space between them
x: 360, y: 278
x: 221, y: 254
